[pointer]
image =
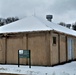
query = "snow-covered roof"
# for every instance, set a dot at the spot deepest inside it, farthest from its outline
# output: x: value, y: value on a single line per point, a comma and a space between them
x: 33, y: 23
x: 25, y: 25
x: 58, y: 27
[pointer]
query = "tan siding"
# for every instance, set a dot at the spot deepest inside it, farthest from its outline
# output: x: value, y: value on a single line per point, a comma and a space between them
x: 47, y: 42
x: 37, y: 45
x: 54, y: 51
x: 1, y: 58
x: 24, y: 47
x: 43, y: 51
x: 62, y: 48
x: 13, y: 45
x: 2, y: 50
x: 0, y: 44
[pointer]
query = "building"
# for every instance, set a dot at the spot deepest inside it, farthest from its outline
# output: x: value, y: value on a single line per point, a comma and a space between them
x: 49, y: 43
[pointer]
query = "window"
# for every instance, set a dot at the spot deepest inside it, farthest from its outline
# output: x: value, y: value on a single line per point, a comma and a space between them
x: 54, y: 40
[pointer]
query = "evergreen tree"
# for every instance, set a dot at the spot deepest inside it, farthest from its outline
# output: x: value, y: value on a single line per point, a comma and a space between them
x: 1, y: 22
x: 8, y: 20
x: 74, y: 26
x: 62, y: 24
x: 68, y: 25
x: 65, y: 25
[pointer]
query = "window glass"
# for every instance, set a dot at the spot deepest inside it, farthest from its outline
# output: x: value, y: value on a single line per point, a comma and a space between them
x: 54, y: 40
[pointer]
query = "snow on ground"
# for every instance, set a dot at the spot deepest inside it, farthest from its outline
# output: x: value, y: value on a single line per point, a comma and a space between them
x: 66, y: 69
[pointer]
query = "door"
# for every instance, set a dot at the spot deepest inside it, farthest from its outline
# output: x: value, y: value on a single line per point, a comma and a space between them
x: 70, y: 49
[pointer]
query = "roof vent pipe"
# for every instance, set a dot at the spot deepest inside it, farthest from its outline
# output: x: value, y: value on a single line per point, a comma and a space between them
x: 49, y: 17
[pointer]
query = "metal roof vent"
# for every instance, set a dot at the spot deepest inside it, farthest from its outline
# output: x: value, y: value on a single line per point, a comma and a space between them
x: 49, y: 17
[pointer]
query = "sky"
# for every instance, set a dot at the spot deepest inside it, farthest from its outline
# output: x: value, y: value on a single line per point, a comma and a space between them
x: 62, y: 10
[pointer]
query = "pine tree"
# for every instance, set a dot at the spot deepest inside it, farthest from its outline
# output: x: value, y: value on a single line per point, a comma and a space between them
x: 74, y: 26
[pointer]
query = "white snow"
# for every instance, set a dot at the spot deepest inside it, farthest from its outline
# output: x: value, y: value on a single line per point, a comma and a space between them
x: 57, y: 27
x: 34, y: 23
x: 66, y: 69
x: 25, y: 25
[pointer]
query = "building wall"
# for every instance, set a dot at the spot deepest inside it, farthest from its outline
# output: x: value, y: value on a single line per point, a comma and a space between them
x: 43, y: 50
x: 63, y: 48
x: 58, y: 50
x: 14, y: 43
x: 2, y: 50
x: 54, y: 49
x: 38, y: 43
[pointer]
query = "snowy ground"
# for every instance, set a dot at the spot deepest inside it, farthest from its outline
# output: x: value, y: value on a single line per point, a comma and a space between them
x: 66, y: 69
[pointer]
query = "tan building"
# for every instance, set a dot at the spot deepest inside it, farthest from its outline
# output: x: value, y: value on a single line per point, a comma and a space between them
x: 49, y: 43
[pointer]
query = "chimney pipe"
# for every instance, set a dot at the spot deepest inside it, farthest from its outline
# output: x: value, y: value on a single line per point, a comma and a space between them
x: 49, y: 17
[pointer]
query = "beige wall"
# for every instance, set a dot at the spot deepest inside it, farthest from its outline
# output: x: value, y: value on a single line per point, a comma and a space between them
x: 43, y: 51
x: 1, y: 42
x: 39, y: 48
x: 2, y: 50
x: 54, y: 49
x: 13, y: 45
x: 63, y: 48
x: 38, y: 43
